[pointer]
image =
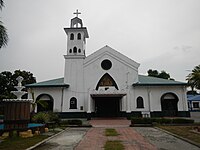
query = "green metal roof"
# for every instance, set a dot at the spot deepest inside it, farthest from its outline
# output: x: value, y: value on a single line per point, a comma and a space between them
x: 153, y: 81
x: 50, y: 83
x: 143, y: 81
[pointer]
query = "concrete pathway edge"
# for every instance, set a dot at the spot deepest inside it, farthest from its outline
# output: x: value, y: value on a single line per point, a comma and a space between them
x: 45, y: 140
x: 80, y: 140
x: 177, y: 136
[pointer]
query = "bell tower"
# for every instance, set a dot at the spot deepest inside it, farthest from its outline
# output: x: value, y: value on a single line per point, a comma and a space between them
x: 76, y: 37
x: 74, y: 59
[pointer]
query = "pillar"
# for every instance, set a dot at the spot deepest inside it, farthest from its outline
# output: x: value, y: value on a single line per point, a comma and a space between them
x: 128, y: 104
x: 89, y: 107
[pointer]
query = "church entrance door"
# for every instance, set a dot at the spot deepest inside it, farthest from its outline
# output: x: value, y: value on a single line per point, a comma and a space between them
x: 169, y: 105
x: 107, y: 106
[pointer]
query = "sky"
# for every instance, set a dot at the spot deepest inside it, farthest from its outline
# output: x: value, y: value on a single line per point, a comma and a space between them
x: 158, y: 34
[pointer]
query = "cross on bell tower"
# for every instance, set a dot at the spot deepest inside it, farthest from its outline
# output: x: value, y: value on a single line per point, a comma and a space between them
x: 77, y: 13
x: 76, y: 38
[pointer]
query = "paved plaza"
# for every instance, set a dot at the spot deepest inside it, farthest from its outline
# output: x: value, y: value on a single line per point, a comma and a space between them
x: 133, y: 138
x: 95, y: 139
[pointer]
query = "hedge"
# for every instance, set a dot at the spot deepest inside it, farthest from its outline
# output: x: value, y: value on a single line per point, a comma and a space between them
x: 161, y: 120
x: 71, y: 122
x: 182, y: 121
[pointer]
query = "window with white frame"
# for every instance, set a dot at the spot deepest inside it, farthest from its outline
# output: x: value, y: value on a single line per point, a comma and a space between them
x: 195, y: 104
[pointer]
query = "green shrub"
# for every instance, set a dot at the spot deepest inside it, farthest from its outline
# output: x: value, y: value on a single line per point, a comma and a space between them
x: 166, y: 121
x: 71, y: 122
x: 74, y: 122
x: 182, y: 121
x: 53, y: 117
x: 64, y: 122
x: 41, y: 117
x: 141, y: 120
x: 161, y: 121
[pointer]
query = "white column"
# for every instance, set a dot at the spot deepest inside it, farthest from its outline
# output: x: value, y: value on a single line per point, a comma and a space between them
x: 128, y: 105
x: 184, y: 100
x: 62, y: 96
x: 89, y: 103
x: 149, y: 99
x: 123, y: 103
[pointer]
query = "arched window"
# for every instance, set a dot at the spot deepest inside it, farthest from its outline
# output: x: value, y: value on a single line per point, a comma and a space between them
x: 70, y: 51
x: 71, y: 36
x: 73, y: 103
x: 44, y: 102
x: 79, y: 36
x: 75, y: 50
x: 140, y: 102
x: 79, y: 50
x: 106, y: 81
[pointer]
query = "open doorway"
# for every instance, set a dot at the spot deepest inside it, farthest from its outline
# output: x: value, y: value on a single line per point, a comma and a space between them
x: 107, y: 106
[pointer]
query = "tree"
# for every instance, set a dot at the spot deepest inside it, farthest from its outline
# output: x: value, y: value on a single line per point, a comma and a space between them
x: 8, y: 81
x: 3, y: 30
x: 194, y: 78
x: 35, y: 102
x: 152, y: 73
x: 28, y: 77
x: 162, y: 74
x: 6, y: 85
x: 1, y: 4
x: 192, y: 92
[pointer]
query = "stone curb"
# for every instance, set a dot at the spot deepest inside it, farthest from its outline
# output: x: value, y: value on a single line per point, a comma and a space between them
x: 80, y: 140
x: 177, y: 136
x: 45, y: 140
x: 82, y: 126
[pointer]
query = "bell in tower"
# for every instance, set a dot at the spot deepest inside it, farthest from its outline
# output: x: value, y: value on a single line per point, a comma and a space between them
x: 76, y: 37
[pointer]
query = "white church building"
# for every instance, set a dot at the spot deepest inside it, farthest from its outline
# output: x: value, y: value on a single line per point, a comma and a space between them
x: 106, y: 84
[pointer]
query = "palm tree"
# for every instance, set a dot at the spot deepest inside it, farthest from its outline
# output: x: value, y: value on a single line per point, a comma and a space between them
x: 36, y: 102
x: 194, y: 78
x: 3, y: 33
x: 1, y: 4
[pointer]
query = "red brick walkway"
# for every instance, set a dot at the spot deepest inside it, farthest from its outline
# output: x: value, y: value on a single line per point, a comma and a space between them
x: 95, y: 138
x: 111, y: 122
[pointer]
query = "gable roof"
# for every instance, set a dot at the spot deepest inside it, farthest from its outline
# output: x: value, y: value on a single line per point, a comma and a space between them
x: 153, y: 81
x: 143, y: 81
x: 113, y: 53
x: 50, y: 83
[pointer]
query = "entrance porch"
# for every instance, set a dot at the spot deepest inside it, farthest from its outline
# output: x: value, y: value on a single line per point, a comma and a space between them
x: 107, y: 103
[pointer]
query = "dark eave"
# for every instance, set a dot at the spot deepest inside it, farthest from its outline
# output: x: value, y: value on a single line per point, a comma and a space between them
x: 153, y: 81
x: 50, y: 83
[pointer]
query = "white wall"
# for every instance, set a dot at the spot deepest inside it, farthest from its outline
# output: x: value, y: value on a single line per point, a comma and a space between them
x: 83, y: 75
x: 124, y: 73
x: 55, y: 92
x: 155, y: 94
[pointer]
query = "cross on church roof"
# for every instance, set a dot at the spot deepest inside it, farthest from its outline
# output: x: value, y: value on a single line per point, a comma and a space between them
x: 77, y: 13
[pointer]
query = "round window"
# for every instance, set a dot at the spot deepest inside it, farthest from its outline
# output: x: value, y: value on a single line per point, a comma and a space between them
x: 106, y: 64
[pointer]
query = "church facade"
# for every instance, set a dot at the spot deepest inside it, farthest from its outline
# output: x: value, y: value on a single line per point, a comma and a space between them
x: 106, y: 84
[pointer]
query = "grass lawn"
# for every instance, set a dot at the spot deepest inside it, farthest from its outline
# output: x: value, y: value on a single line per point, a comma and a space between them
x: 19, y: 143
x: 111, y: 132
x: 183, y: 131
x: 114, y: 145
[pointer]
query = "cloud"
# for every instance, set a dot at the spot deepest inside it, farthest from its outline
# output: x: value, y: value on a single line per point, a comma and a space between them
x: 159, y: 34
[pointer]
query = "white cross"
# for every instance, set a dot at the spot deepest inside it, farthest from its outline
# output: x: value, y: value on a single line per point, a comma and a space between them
x: 77, y: 13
